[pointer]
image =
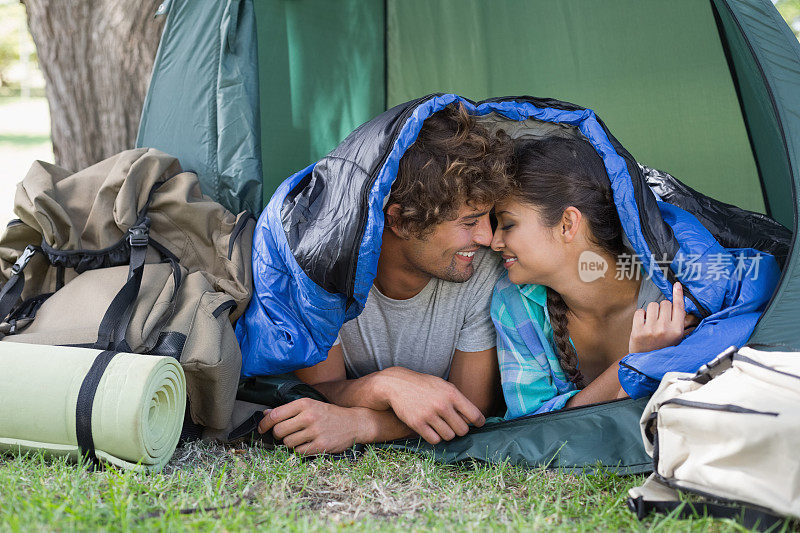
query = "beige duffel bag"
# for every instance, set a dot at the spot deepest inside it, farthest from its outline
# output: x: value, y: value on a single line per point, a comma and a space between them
x: 730, y: 432
x: 129, y: 256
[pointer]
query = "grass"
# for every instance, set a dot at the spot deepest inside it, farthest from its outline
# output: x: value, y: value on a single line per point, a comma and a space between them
x: 211, y: 487
x: 23, y: 140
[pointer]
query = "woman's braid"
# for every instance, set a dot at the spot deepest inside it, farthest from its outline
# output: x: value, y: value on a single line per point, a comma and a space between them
x: 567, y: 356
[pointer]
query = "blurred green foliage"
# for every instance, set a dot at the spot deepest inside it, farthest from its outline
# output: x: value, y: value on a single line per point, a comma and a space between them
x: 790, y: 11
x: 9, y: 34
x: 14, y: 41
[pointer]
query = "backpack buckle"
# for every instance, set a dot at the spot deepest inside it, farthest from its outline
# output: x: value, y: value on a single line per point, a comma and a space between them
x: 23, y: 259
x: 139, y: 235
x: 715, y: 367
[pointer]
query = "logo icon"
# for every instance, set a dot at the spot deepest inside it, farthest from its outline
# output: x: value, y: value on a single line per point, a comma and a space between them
x: 591, y: 266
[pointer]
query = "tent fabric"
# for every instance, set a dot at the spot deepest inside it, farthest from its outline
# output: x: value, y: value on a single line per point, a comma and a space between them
x: 202, y: 105
x: 322, y: 63
x: 567, y: 440
x: 314, y: 70
x: 777, y: 53
x: 136, y: 413
x: 584, y: 439
x: 317, y: 244
x: 762, y: 119
x: 655, y: 70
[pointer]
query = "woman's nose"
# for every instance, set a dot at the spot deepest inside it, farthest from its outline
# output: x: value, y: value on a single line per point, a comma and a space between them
x: 497, y: 240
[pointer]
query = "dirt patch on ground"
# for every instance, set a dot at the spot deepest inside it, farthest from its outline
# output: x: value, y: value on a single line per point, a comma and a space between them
x: 385, y: 485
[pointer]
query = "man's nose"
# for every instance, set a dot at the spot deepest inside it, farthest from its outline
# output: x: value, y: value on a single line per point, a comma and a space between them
x: 483, y: 233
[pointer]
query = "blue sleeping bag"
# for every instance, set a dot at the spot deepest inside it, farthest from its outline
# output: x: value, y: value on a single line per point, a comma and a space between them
x: 316, y: 245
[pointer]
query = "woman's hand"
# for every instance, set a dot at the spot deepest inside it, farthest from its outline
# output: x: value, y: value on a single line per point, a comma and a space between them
x: 662, y: 325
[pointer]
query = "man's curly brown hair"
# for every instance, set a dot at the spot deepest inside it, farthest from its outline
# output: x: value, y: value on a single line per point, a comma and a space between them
x: 453, y: 162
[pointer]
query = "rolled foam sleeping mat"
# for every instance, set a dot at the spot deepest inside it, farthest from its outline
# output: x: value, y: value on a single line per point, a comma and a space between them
x: 124, y: 409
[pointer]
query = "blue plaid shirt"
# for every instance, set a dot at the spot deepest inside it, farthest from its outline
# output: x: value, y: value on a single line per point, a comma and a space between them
x: 531, y: 376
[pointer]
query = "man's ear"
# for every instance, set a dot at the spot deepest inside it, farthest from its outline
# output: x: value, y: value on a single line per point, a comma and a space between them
x: 571, y: 222
x: 392, y: 216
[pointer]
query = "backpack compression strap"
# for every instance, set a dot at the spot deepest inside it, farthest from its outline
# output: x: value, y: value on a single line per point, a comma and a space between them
x: 118, y: 315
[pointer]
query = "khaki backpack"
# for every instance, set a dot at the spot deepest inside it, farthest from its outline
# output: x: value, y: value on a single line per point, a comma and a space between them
x: 730, y: 433
x: 128, y: 255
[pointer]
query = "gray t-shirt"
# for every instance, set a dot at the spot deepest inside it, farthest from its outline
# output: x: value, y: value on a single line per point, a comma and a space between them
x: 422, y: 332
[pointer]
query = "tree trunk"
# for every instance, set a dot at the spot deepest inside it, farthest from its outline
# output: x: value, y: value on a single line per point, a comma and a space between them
x: 96, y: 57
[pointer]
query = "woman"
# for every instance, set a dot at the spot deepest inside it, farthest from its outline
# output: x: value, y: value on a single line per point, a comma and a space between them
x: 562, y: 330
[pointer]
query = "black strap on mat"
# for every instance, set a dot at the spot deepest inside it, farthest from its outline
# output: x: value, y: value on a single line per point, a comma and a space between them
x: 749, y: 517
x: 83, y: 407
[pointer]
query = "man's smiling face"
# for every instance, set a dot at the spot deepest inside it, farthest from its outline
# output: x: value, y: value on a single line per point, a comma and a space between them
x: 448, y: 252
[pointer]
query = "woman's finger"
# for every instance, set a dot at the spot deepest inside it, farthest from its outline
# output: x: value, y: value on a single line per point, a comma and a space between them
x: 665, y: 312
x: 638, y: 319
x: 678, y: 309
x: 652, y: 313
x: 689, y: 323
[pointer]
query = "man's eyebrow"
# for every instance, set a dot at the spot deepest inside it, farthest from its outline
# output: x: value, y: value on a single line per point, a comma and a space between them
x: 474, y: 215
x: 503, y: 212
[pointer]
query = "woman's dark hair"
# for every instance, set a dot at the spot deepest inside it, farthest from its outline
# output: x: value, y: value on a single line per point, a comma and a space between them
x: 552, y: 174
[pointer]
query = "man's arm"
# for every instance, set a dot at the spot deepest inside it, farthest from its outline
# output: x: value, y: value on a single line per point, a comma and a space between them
x: 330, y: 378
x: 313, y: 427
x: 473, y: 373
x: 476, y: 375
x: 430, y: 406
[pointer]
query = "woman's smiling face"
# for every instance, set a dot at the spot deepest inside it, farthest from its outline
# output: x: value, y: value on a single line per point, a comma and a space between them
x: 532, y: 251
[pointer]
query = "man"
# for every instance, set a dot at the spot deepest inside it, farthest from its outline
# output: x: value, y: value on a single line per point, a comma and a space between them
x: 421, y: 357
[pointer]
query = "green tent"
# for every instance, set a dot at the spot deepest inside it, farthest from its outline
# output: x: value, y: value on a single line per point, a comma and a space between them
x: 246, y: 92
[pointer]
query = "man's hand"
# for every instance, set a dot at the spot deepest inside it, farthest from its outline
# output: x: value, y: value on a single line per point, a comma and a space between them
x: 661, y: 325
x: 432, y: 407
x: 313, y: 427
